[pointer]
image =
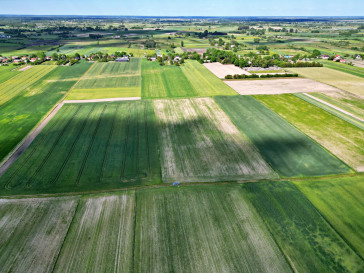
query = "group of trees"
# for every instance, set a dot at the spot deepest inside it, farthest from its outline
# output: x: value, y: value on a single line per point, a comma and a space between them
x: 255, y: 76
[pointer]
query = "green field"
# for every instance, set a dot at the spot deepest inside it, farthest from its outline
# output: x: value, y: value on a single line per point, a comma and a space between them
x: 188, y: 80
x: 203, y: 81
x: 109, y: 80
x: 354, y: 121
x: 6, y: 73
x: 20, y: 114
x: 345, y: 101
x: 32, y: 232
x: 164, y: 81
x: 343, y: 139
x: 21, y: 82
x: 286, y: 149
x: 114, y: 68
x: 305, y: 237
x: 202, y: 229
x: 342, y: 80
x: 100, y: 238
x: 199, y: 143
x: 357, y: 71
x: 341, y: 202
x: 87, y: 147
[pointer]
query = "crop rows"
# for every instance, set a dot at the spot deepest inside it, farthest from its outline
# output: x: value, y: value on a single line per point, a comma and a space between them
x: 90, y: 146
x: 306, y: 238
x: 200, y: 143
x: 130, y: 68
x: 22, y: 81
x: 343, y: 139
x: 288, y: 151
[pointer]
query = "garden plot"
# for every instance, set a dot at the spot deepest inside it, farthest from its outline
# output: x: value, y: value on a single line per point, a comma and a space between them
x: 32, y: 232
x: 200, y: 143
x: 100, y: 238
x: 221, y: 70
x: 89, y: 146
x: 278, y: 86
x: 343, y: 139
x: 287, y: 150
x: 202, y: 229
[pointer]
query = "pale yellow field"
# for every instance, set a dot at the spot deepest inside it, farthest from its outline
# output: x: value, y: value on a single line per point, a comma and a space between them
x: 341, y: 80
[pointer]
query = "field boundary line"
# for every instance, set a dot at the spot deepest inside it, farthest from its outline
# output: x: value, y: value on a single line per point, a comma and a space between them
x: 102, y: 100
x: 334, y: 107
x: 28, y: 139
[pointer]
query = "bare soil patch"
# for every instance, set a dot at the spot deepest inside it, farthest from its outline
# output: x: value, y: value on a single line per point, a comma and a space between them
x: 221, y: 70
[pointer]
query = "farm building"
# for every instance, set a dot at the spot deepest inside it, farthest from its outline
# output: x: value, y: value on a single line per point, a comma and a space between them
x: 122, y: 59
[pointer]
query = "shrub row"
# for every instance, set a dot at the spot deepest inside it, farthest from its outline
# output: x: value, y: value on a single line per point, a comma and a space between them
x: 254, y: 76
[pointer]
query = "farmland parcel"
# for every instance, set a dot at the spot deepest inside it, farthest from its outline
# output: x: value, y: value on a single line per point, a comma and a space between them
x: 202, y: 229
x: 287, y: 150
x: 89, y: 146
x: 343, y: 139
x: 200, y: 143
x: 304, y: 236
x: 340, y: 201
x: 20, y: 114
x: 341, y: 80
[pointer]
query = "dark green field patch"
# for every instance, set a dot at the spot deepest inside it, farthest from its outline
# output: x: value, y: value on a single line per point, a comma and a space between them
x: 308, y: 241
x: 288, y: 150
x: 89, y: 146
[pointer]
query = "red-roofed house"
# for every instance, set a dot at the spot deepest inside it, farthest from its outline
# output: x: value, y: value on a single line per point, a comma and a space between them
x: 33, y: 60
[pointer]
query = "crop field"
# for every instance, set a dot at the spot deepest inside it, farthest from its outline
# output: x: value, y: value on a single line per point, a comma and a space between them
x: 32, y: 232
x: 356, y: 71
x: 199, y: 143
x: 221, y: 70
x: 341, y: 138
x: 89, y: 146
x: 114, y: 68
x: 164, y: 81
x: 109, y: 80
x: 338, y: 79
x: 345, y: 101
x: 336, y: 111
x: 202, y: 229
x: 307, y: 240
x: 19, y: 115
x: 340, y: 201
x: 19, y: 83
x: 203, y: 81
x: 278, y: 86
x: 6, y: 73
x: 286, y: 149
x: 100, y: 238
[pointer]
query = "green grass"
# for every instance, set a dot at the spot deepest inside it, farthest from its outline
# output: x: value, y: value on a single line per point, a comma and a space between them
x: 32, y: 232
x: 19, y: 115
x: 109, y: 82
x: 114, y: 68
x: 100, y: 238
x: 354, y: 121
x: 21, y: 82
x: 203, y: 81
x: 199, y: 143
x: 340, y: 201
x: 202, y: 229
x: 307, y: 240
x: 343, y: 139
x: 345, y: 101
x: 6, y: 73
x: 87, y: 147
x: 164, y: 81
x: 357, y: 71
x: 101, y: 93
x: 286, y: 149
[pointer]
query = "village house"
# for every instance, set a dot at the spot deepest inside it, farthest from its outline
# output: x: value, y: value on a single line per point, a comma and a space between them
x: 325, y: 57
x: 122, y: 59
x: 33, y: 60
x: 358, y: 57
x: 342, y: 61
x: 177, y: 59
x: 337, y: 57
x: 24, y: 58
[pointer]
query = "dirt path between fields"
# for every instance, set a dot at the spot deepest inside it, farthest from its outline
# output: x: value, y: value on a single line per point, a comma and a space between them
x: 334, y: 107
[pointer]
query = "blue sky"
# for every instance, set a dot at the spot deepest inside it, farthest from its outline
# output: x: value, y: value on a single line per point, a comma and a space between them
x: 185, y: 7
